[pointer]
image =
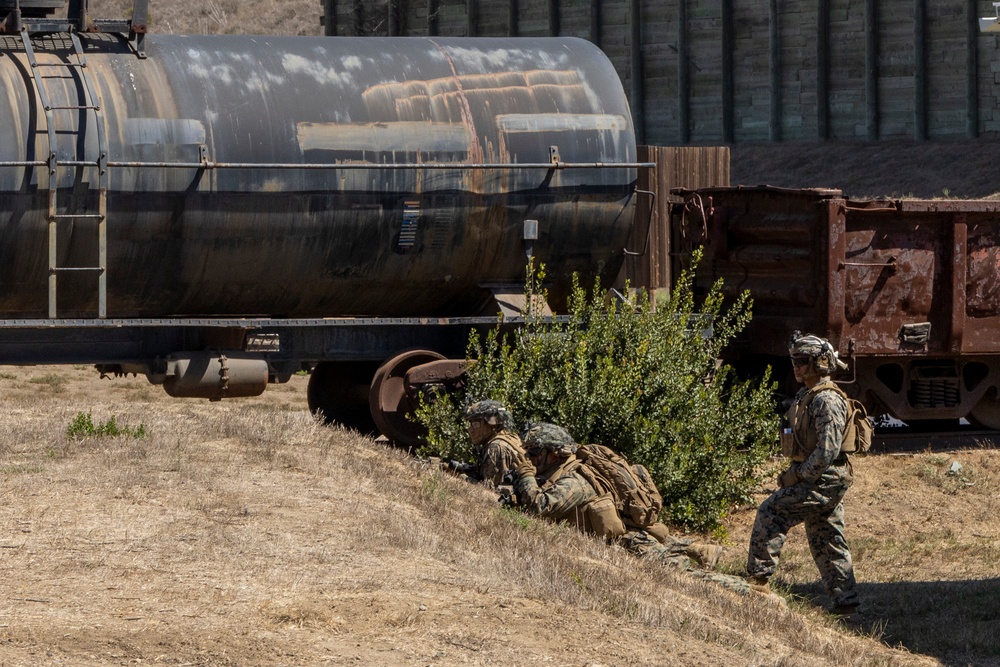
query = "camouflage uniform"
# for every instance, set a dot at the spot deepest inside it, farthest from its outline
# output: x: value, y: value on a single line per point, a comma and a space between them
x: 498, y: 457
x: 562, y: 494
x: 813, y: 492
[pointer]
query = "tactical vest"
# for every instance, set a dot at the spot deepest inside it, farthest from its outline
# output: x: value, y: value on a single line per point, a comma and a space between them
x: 798, y: 438
x: 511, y: 439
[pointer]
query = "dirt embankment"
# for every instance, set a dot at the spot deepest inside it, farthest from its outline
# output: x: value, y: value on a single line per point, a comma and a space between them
x: 964, y: 169
x: 242, y: 533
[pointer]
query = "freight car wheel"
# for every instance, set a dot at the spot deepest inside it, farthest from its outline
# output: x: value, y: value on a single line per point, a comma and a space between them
x: 338, y: 391
x: 986, y: 414
x: 389, y: 400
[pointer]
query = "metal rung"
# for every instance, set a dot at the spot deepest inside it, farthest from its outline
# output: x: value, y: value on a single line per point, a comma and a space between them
x: 63, y: 216
x: 64, y: 269
x: 64, y: 64
x: 84, y: 106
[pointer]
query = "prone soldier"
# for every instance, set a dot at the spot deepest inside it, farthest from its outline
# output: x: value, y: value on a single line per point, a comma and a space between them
x: 498, y: 448
x: 557, y: 485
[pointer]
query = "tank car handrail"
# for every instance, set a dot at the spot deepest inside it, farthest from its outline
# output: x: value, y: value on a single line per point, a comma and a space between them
x: 265, y: 322
x: 307, y: 165
x: 356, y: 166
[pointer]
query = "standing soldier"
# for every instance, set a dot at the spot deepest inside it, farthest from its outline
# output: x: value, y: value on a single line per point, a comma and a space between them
x: 498, y: 448
x: 813, y: 486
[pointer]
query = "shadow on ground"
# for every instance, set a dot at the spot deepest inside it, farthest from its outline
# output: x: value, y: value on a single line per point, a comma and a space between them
x: 953, y: 621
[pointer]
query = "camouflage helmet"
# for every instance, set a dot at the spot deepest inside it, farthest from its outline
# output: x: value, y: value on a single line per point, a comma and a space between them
x: 491, y: 412
x: 824, y: 357
x: 551, y: 437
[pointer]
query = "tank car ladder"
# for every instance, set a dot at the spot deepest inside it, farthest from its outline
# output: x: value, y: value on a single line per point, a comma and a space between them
x: 88, y: 104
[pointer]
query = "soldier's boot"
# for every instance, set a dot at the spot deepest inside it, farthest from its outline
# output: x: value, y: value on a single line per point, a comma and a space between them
x: 706, y: 555
x: 759, y: 585
x: 845, y: 611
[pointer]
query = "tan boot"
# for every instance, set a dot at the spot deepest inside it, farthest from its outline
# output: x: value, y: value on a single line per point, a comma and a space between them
x: 759, y: 585
x: 707, y: 555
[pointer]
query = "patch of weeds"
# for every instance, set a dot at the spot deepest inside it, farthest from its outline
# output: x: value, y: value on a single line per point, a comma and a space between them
x: 53, y: 381
x: 302, y: 373
x: 434, y: 491
x: 21, y: 469
x: 516, y: 517
x: 83, y: 426
x: 7, y: 376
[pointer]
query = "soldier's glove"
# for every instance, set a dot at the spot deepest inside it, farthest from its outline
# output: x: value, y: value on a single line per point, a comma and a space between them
x: 461, y: 468
x: 507, y: 496
x: 788, y: 478
x: 525, y: 469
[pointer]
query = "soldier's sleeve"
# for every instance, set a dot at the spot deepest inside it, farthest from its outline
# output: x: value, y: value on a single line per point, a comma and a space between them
x: 828, y: 414
x: 558, y: 498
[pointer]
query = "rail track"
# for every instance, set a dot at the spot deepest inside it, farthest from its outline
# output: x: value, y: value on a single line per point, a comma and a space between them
x: 904, y: 440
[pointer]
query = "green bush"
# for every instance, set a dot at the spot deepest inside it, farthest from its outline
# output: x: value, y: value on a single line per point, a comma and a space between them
x: 83, y: 426
x: 645, y: 381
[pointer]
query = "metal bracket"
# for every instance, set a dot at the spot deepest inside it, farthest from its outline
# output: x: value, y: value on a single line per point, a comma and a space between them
x: 203, y: 157
x: 554, y: 157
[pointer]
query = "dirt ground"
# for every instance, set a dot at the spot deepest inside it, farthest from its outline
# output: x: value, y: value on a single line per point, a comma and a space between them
x: 964, y: 169
x: 242, y: 533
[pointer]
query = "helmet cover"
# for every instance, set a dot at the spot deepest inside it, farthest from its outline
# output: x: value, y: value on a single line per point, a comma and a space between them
x: 490, y: 411
x: 550, y: 437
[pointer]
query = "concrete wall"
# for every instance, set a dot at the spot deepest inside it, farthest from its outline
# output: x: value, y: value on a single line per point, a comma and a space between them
x: 755, y: 70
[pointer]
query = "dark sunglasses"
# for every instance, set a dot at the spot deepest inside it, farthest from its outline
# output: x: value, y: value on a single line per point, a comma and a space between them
x: 799, y: 362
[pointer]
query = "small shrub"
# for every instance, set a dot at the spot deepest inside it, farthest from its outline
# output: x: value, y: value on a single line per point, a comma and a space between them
x: 52, y: 380
x: 645, y: 381
x: 83, y: 426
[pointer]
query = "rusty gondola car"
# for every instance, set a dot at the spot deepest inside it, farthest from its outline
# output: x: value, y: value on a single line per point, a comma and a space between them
x: 908, y: 290
x: 218, y: 212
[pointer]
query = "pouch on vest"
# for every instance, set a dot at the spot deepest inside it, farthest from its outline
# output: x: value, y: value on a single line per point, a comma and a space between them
x: 602, y: 515
x: 658, y: 530
x: 787, y: 440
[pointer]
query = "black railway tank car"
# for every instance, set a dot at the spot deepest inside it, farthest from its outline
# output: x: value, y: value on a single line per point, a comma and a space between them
x: 907, y: 290
x: 219, y: 211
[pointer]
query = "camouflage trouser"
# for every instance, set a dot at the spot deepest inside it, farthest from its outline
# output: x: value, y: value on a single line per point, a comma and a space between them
x: 673, y: 553
x: 819, y: 505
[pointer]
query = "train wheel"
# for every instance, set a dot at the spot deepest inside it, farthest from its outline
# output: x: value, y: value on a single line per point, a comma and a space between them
x: 389, y: 400
x: 338, y: 390
x: 986, y: 414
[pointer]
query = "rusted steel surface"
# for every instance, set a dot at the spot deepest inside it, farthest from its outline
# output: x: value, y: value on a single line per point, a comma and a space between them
x: 907, y: 290
x: 648, y: 263
x: 225, y: 198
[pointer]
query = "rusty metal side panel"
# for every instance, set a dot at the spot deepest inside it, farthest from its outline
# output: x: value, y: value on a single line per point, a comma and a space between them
x: 774, y: 243
x: 884, y: 278
x: 895, y: 270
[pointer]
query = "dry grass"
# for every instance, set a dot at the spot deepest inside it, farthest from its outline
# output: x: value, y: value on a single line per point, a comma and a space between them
x: 240, y: 535
x: 926, y: 545
x: 212, y: 17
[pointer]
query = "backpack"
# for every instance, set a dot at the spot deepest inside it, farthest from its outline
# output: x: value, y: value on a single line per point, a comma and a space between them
x: 858, y: 434
x: 635, y: 495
